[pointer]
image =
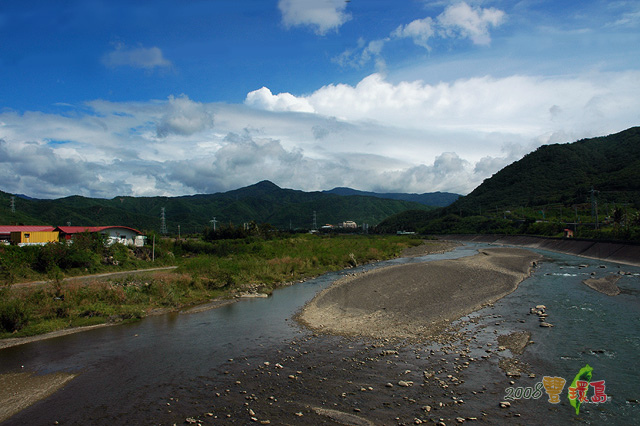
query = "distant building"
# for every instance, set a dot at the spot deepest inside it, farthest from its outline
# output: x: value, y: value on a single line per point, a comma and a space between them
x: 38, y: 238
x: 349, y: 224
x: 115, y: 234
x: 6, y: 231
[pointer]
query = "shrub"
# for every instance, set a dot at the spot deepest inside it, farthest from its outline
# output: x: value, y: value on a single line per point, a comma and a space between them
x: 13, y: 315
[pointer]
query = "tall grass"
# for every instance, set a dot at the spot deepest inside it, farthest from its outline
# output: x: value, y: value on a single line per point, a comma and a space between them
x: 225, y: 268
x: 289, y: 259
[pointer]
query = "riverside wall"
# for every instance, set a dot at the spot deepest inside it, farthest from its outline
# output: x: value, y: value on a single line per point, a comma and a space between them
x: 626, y: 253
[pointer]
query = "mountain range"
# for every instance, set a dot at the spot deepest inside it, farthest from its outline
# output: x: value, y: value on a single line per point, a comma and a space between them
x: 604, y: 170
x: 437, y: 199
x: 263, y: 202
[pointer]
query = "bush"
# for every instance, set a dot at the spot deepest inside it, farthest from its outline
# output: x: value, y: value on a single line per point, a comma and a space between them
x: 13, y: 315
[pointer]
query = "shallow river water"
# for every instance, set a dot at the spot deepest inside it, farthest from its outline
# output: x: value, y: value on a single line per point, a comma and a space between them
x: 125, y: 369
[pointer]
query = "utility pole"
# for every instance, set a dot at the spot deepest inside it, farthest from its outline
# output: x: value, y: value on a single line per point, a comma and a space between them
x: 315, y: 223
x: 214, y: 223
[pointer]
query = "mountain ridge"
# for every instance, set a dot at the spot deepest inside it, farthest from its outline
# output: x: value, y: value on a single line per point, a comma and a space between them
x: 436, y: 199
x: 583, y: 182
x: 262, y: 202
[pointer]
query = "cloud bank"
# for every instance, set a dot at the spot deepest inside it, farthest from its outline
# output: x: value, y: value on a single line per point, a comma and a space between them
x: 377, y: 135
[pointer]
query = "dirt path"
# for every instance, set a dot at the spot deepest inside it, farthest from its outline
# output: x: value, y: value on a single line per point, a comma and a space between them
x: 94, y: 276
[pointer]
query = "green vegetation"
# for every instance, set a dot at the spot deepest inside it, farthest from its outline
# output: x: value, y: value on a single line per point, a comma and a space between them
x: 263, y: 202
x: 206, y: 270
x: 87, y: 255
x: 591, y: 187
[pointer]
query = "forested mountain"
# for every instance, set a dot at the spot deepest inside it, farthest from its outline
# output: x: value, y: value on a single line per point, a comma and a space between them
x: 436, y: 199
x: 263, y: 202
x: 583, y: 185
x: 565, y: 173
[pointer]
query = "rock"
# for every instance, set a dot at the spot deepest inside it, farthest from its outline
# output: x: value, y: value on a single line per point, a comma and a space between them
x: 545, y: 324
x: 541, y: 307
x: 405, y: 383
x: 505, y: 404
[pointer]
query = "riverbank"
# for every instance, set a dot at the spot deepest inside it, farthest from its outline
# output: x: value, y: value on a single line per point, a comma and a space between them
x: 191, y: 305
x: 209, y: 369
x: 417, y: 301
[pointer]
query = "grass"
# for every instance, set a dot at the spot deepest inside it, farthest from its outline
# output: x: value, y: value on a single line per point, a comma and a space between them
x: 255, y: 265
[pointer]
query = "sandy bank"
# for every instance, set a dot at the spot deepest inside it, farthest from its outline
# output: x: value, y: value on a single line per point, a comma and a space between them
x: 417, y: 300
x: 19, y: 390
x: 606, y: 285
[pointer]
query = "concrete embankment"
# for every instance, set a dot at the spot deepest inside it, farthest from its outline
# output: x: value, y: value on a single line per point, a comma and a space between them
x: 626, y: 253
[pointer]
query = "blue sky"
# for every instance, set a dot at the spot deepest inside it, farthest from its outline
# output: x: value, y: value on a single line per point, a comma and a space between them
x: 106, y: 98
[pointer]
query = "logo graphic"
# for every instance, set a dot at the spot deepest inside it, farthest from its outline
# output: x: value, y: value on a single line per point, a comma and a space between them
x: 553, y: 386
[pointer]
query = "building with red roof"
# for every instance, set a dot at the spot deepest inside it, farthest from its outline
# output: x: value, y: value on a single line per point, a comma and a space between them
x: 115, y: 234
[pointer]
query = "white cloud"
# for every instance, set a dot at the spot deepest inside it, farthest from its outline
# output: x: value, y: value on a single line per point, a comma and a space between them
x: 515, y: 104
x: 185, y: 117
x: 136, y: 57
x: 322, y: 15
x: 420, y: 30
x: 456, y: 21
x: 264, y: 99
x: 463, y: 21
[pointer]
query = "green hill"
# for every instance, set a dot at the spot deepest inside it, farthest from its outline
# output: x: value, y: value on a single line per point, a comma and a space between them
x: 263, y: 202
x: 590, y: 183
x: 565, y: 173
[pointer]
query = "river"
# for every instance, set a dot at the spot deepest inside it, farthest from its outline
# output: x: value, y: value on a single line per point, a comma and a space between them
x: 126, y: 370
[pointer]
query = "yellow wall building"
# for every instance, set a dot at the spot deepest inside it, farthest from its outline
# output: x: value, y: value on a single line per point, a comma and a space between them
x: 33, y: 238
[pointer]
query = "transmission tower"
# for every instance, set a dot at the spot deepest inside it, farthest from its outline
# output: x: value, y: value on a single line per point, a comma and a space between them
x: 594, y: 205
x: 13, y: 204
x: 163, y: 222
x: 315, y: 222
